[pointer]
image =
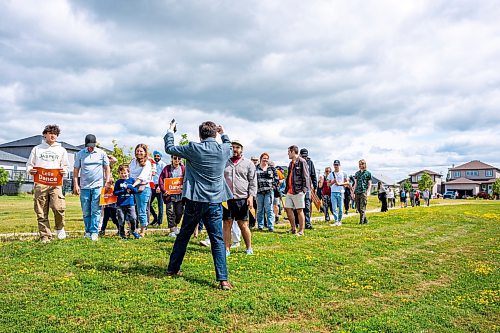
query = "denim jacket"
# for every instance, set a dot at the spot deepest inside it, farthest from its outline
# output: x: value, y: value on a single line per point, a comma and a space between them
x: 205, y: 162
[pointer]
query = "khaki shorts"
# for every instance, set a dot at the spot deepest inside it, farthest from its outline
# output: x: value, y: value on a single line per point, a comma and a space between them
x: 295, y: 201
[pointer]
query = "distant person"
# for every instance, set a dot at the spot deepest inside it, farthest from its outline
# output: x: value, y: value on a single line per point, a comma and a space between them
x: 390, y: 198
x: 382, y: 196
x: 204, y: 190
x: 427, y: 196
x: 326, y: 193
x: 125, y: 211
x: 156, y: 193
x: 298, y: 182
x: 337, y: 181
x: 412, y: 197
x: 239, y: 174
x: 141, y: 169
x: 175, y: 205
x: 304, y: 153
x: 348, y: 196
x: 267, y: 181
x: 92, y: 164
x: 362, y: 186
x: 49, y: 155
x: 402, y: 198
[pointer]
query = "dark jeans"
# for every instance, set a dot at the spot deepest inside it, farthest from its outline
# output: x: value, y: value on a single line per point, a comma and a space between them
x: 361, y: 206
x: 211, y: 216
x: 383, y: 198
x: 347, y: 200
x: 307, y: 209
x: 109, y: 212
x: 175, y: 209
x: 124, y: 214
x: 327, y: 206
x: 158, y: 196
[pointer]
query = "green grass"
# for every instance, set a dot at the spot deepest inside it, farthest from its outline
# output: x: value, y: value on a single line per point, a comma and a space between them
x: 411, y: 270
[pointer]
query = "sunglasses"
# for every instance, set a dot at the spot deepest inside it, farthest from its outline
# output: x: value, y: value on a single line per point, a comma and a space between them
x: 176, y: 158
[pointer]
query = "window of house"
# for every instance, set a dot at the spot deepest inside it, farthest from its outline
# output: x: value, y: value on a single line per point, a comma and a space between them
x: 472, y: 173
x: 418, y: 178
x: 456, y: 174
x: 489, y: 173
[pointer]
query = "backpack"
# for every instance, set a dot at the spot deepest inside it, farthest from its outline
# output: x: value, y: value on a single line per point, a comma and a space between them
x: 402, y: 194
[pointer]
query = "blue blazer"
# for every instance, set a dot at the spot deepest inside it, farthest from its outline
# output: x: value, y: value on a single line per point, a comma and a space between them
x: 205, y: 161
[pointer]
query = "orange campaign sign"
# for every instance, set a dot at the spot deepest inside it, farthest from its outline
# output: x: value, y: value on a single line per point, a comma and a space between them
x: 173, y: 185
x: 49, y: 177
x: 107, y: 197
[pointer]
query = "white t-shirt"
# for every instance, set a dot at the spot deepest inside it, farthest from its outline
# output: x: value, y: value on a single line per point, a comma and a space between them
x: 340, y: 177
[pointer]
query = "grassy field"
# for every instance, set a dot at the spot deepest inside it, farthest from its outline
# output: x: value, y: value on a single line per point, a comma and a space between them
x: 409, y: 270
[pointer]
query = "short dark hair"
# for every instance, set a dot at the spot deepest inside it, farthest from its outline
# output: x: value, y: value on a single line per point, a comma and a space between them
x: 207, y: 129
x: 124, y: 167
x: 294, y: 149
x: 52, y: 129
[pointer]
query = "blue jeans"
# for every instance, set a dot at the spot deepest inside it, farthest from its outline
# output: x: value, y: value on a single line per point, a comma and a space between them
x: 211, y: 216
x: 89, y: 200
x: 142, y: 203
x: 265, y: 205
x: 337, y: 205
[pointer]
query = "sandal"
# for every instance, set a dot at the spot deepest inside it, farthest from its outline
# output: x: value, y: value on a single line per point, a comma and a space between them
x: 225, y: 285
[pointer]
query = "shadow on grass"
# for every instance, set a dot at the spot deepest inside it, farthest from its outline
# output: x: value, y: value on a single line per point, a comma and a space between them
x: 138, y: 268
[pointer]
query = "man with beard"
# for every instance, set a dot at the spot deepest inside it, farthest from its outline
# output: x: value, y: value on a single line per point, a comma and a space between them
x: 240, y: 177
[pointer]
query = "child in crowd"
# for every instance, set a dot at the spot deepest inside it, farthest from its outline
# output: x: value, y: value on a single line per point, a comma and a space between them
x: 125, y: 210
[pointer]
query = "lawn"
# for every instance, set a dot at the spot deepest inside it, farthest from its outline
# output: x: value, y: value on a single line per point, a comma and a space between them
x: 418, y: 269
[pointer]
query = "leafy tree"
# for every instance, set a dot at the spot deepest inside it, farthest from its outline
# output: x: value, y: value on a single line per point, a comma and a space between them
x: 4, y: 178
x: 496, y: 187
x: 406, y: 185
x: 425, y: 182
x: 122, y: 156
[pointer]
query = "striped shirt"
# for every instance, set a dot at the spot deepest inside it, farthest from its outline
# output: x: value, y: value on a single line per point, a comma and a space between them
x: 266, y: 180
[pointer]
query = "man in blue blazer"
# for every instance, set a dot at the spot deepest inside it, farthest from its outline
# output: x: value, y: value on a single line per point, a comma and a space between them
x: 204, y: 189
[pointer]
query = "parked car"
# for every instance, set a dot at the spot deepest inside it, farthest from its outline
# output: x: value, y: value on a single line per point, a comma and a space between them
x: 449, y: 195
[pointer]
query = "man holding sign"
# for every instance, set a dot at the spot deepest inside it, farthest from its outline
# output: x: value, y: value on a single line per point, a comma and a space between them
x: 48, y: 164
x: 170, y: 183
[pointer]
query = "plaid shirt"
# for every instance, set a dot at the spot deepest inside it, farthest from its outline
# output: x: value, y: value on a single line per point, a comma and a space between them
x: 266, y: 180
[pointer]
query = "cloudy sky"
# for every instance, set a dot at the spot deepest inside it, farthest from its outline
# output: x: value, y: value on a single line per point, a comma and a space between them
x: 404, y: 84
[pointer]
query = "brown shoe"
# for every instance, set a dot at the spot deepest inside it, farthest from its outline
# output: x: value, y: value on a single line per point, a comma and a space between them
x: 174, y: 274
x: 225, y: 285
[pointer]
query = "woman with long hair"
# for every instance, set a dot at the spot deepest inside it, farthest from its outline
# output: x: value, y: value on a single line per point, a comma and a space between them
x: 141, y: 170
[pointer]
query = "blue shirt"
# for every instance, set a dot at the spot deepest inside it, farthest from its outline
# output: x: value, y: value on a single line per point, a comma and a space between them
x: 205, y: 162
x: 91, y: 165
x: 120, y: 190
x: 159, y: 168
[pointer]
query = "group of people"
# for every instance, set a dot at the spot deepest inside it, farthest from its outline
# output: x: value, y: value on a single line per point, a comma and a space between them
x: 220, y: 187
x: 415, y: 196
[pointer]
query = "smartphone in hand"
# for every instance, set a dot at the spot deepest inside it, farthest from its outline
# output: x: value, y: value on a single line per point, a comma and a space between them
x: 175, y: 128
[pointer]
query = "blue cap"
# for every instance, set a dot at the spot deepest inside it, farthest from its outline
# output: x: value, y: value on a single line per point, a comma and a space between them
x: 156, y: 152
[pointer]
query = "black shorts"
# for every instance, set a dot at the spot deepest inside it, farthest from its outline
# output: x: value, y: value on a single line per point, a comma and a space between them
x: 237, y: 210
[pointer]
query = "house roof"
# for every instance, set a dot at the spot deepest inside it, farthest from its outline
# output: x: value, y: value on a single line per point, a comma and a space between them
x: 5, y: 156
x: 384, y: 179
x: 462, y: 180
x: 33, y: 141
x: 473, y: 165
x: 431, y: 173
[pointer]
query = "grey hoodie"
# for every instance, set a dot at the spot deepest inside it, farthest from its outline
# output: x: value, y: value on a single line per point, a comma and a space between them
x: 241, y: 178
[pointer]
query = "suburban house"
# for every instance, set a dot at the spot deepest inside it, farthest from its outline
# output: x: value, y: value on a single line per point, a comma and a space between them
x: 386, y: 181
x: 436, y: 180
x: 13, y: 158
x: 471, y: 178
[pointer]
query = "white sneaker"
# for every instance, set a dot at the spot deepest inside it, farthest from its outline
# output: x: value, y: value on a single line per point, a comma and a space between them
x: 86, y: 235
x: 175, y: 231
x: 235, y: 244
x: 61, y: 234
x: 94, y: 236
x: 172, y: 234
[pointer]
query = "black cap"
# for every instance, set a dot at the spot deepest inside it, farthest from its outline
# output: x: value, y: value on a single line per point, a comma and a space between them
x: 304, y: 152
x: 336, y: 162
x: 90, y: 140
